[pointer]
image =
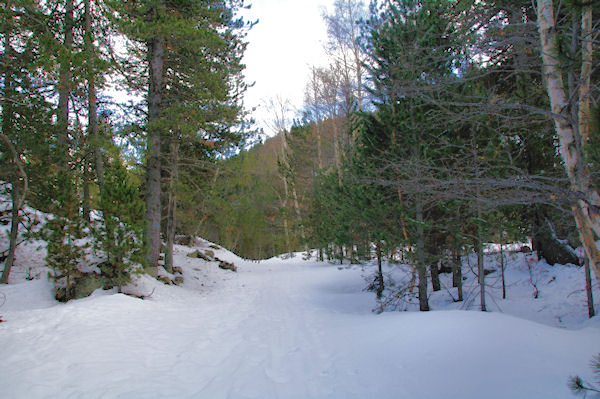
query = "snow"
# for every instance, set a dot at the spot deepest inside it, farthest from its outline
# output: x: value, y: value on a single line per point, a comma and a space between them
x: 292, y: 329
